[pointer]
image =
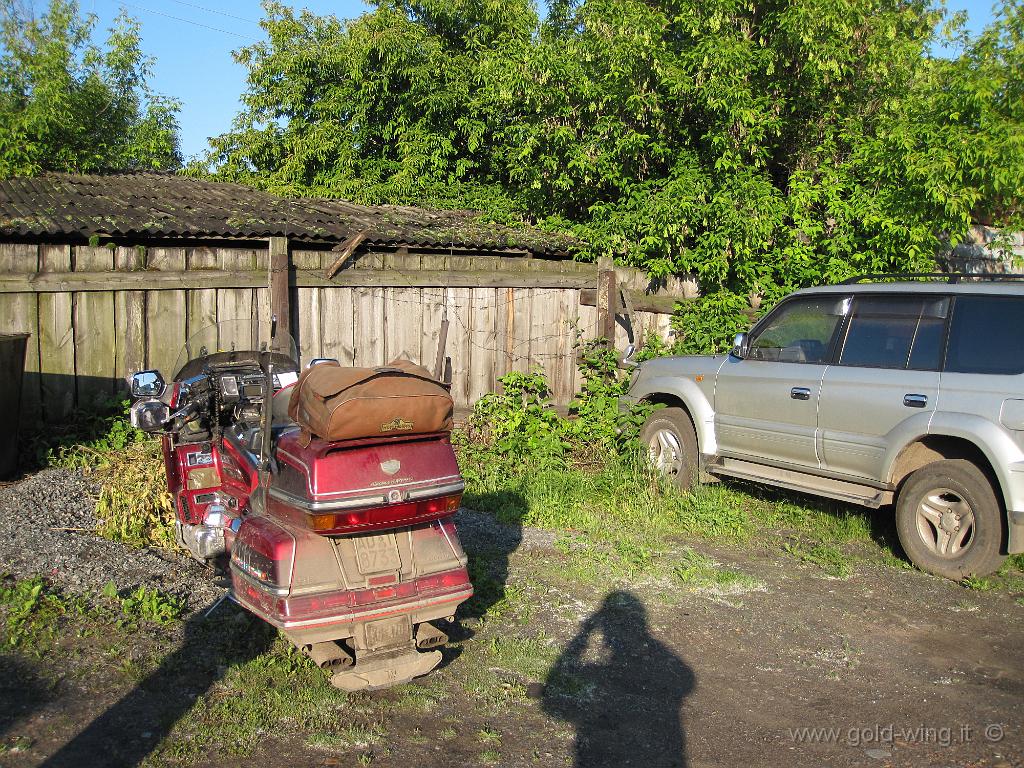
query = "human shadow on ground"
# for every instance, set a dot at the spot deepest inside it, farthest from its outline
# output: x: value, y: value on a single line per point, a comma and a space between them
x: 489, y: 544
x: 131, y: 728
x: 24, y: 688
x: 623, y: 696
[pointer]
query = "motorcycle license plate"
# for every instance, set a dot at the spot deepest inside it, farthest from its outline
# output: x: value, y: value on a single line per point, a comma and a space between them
x: 377, y: 553
x: 388, y: 632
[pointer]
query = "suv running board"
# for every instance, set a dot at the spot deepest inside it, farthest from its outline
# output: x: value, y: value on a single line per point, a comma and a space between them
x: 841, y: 490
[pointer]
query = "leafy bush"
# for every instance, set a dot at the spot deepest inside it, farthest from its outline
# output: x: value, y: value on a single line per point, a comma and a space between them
x: 706, y: 326
x: 134, y: 505
x: 86, y: 439
x: 519, y: 425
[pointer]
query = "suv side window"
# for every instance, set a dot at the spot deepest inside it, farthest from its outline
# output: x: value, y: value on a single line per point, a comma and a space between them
x: 901, y: 332
x: 800, y: 331
x: 985, y: 335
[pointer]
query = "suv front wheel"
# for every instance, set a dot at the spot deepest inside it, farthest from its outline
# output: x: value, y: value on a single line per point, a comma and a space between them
x: 671, y: 443
x: 949, y: 520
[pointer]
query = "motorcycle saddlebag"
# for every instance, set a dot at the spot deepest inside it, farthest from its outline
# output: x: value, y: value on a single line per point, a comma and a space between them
x: 338, y: 403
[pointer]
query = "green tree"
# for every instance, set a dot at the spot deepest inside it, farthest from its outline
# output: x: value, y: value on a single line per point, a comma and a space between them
x: 760, y: 145
x: 67, y: 104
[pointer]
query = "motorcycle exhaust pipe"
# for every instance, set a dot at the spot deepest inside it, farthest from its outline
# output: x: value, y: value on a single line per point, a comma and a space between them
x: 429, y: 636
x: 328, y: 656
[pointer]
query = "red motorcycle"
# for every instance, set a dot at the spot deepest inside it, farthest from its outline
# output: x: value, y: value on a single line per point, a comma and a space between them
x: 347, y: 547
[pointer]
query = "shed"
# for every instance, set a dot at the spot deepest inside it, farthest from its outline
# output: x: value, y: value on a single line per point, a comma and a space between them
x: 111, y: 273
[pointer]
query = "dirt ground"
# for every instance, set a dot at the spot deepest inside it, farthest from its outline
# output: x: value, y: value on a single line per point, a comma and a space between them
x: 886, y: 668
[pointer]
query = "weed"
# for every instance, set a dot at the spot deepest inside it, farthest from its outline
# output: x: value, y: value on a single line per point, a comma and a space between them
x: 1011, y: 573
x: 149, y: 605
x: 447, y: 733
x: 421, y: 696
x: 701, y: 574
x: 489, y: 736
x: 499, y: 674
x: 978, y: 583
x: 279, y: 691
x: 32, y: 614
x: 826, y: 556
x: 133, y: 505
x: 490, y: 757
x: 86, y: 439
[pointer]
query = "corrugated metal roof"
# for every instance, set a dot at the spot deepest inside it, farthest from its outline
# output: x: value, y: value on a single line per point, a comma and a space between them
x: 163, y: 205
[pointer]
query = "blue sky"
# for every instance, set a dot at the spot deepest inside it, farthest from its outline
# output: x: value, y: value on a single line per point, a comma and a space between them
x: 192, y: 42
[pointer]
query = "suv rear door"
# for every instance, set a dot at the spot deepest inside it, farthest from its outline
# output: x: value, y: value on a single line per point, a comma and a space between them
x: 886, y: 373
x: 766, y: 404
x: 984, y: 370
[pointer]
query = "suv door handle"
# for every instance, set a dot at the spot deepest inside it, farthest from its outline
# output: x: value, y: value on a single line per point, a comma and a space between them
x: 800, y: 393
x: 915, y: 401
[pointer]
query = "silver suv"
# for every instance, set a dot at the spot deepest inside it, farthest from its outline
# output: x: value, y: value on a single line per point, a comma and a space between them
x: 905, y: 392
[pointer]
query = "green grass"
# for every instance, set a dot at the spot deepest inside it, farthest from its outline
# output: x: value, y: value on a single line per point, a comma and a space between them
x: 499, y: 665
x: 828, y: 557
x: 34, y: 616
x: 702, y: 574
x: 620, y: 519
x: 278, y: 692
x: 488, y: 735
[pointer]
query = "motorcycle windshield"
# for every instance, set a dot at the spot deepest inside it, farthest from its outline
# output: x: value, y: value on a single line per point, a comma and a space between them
x: 234, y: 341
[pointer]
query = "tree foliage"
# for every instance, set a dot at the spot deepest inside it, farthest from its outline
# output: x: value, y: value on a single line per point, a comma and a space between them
x: 760, y: 144
x: 68, y: 104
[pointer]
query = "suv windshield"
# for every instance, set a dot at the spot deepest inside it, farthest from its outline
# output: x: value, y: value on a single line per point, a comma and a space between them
x: 234, y: 341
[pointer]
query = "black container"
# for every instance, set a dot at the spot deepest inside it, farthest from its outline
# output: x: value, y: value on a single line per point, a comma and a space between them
x: 12, y: 371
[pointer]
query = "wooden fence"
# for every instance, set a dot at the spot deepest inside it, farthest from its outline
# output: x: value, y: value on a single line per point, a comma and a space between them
x: 96, y: 313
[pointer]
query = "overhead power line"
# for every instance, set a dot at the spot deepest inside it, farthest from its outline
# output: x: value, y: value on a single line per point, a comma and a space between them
x: 214, y: 10
x: 189, y: 21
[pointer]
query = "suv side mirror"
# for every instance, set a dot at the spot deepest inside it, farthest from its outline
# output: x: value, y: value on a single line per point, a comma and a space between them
x: 740, y: 345
x: 147, y: 384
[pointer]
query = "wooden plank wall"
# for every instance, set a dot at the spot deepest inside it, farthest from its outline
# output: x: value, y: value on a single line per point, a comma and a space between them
x: 85, y: 341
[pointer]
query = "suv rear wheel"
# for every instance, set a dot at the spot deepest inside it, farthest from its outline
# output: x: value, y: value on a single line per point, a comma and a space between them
x: 949, y: 520
x: 671, y: 442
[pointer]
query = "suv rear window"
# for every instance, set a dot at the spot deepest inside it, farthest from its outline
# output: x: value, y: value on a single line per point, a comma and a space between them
x: 896, y: 332
x: 987, y: 335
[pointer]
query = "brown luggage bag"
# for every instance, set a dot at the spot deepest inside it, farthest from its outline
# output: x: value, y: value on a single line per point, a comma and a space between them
x: 401, y: 398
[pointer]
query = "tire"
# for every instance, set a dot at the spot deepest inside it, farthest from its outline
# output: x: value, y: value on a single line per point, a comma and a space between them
x: 671, y: 441
x: 950, y: 521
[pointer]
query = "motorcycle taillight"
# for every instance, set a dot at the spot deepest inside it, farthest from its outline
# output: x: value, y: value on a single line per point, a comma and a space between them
x: 386, y: 516
x: 264, y: 551
x: 443, y: 581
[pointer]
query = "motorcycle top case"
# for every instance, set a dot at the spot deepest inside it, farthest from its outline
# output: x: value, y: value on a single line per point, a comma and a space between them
x: 364, y: 485
x: 334, y: 402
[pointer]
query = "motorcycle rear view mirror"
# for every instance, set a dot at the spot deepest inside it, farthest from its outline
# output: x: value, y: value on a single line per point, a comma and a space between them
x: 149, y: 415
x: 147, y: 384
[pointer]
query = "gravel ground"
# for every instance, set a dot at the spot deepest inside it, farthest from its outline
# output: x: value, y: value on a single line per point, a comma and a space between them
x: 47, y: 526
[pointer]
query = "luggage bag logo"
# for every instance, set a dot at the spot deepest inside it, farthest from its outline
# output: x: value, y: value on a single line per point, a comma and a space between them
x: 397, y: 425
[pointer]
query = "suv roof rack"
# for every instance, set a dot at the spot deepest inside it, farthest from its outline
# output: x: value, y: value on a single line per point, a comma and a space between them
x: 949, y: 277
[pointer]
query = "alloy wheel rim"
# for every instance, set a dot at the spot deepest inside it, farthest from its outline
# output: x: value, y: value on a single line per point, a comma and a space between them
x: 945, y: 522
x: 666, y: 451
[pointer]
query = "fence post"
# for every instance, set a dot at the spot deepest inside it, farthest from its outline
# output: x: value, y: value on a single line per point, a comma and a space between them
x: 607, y: 300
x: 278, y: 283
